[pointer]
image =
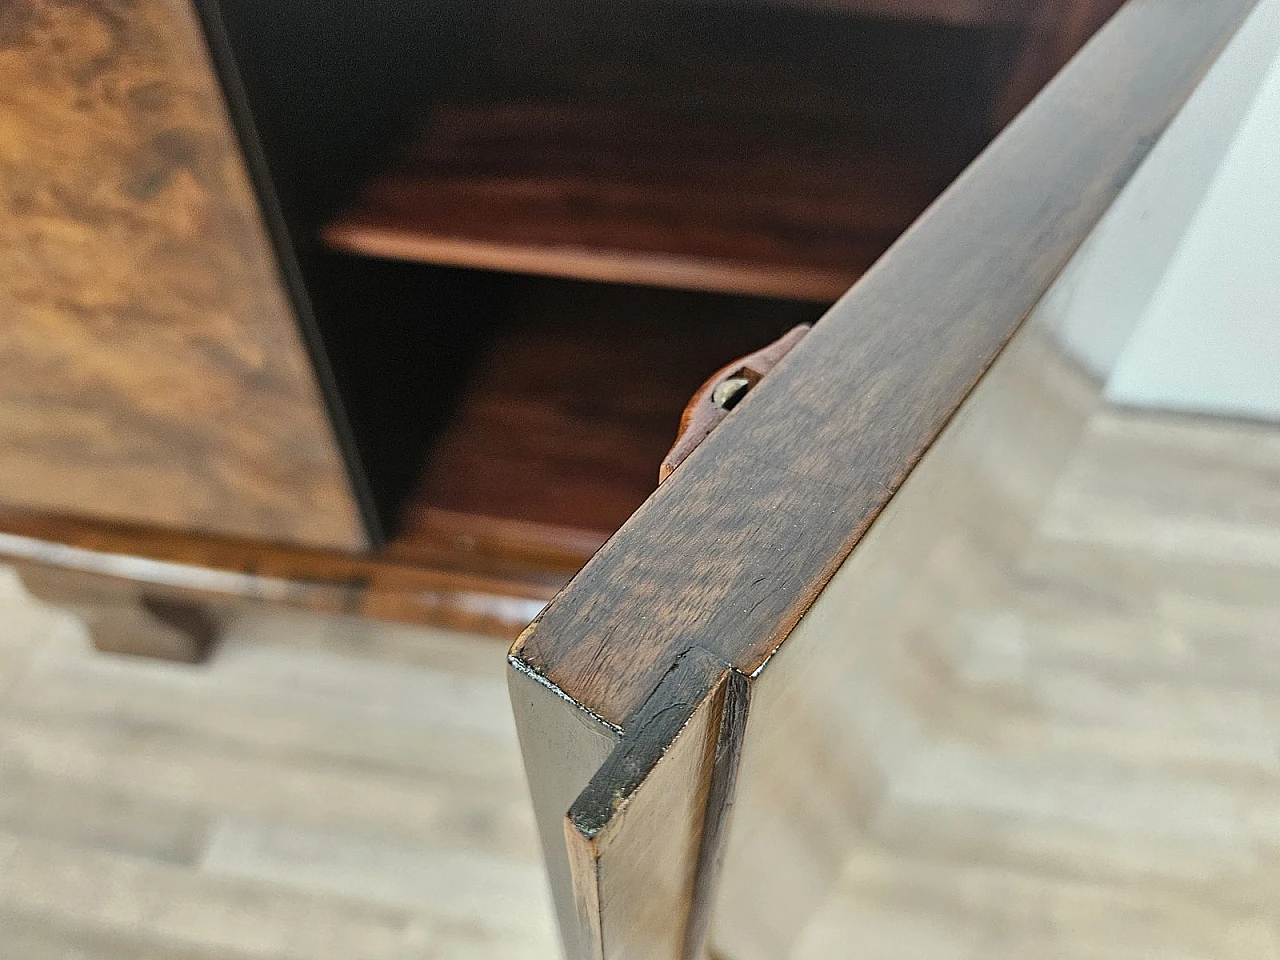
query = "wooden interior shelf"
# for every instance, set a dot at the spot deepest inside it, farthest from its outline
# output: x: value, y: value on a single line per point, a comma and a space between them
x: 766, y: 151
x: 954, y: 12
x: 558, y: 436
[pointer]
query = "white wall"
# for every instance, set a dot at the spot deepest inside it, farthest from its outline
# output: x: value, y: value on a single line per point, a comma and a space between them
x: 1208, y: 334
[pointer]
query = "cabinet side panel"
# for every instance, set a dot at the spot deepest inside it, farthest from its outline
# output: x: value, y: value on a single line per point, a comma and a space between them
x: 843, y: 708
x: 151, y: 370
x: 905, y: 720
x: 643, y: 864
x: 563, y: 748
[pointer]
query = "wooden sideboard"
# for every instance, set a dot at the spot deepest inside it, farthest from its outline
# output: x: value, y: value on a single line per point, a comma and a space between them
x: 797, y: 667
x: 393, y: 308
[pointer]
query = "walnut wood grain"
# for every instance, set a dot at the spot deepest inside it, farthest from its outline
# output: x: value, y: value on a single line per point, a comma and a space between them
x: 150, y: 367
x: 735, y: 547
x: 643, y: 834
x: 495, y: 593
x: 562, y: 427
x: 555, y: 442
x: 740, y: 149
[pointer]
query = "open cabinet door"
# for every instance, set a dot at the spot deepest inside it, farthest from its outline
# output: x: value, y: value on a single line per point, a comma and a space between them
x: 756, y: 677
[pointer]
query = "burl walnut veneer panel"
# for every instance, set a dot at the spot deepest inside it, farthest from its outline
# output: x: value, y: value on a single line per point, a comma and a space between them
x: 150, y: 366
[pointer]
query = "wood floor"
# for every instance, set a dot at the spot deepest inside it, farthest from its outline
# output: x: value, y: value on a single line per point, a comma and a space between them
x: 324, y: 788
x: 1099, y: 774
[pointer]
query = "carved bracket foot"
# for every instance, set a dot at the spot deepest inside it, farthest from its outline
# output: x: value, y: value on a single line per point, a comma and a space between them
x: 124, y: 617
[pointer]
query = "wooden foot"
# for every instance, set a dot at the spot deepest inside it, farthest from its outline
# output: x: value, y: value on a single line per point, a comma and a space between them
x: 123, y: 617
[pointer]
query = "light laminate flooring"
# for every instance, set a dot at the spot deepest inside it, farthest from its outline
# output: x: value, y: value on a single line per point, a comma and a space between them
x: 1087, y: 753
x: 322, y: 788
x: 1101, y: 722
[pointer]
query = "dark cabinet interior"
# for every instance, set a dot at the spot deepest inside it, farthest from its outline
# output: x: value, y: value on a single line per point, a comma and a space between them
x: 525, y: 232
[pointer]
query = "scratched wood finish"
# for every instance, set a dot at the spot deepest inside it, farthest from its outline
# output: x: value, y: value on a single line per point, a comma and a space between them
x: 636, y: 831
x: 735, y: 547
x: 765, y: 518
x: 491, y: 592
x: 681, y: 145
x: 150, y: 367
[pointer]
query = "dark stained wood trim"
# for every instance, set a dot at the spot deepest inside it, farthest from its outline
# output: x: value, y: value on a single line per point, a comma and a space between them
x: 654, y: 727
x: 691, y: 783
x: 730, y: 552
x: 488, y: 593
x: 723, y: 785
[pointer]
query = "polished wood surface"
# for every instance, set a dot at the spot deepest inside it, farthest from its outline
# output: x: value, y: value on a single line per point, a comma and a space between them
x: 562, y: 428
x: 729, y: 149
x: 731, y: 553
x: 734, y: 548
x: 150, y: 366
x: 634, y: 831
x: 967, y: 507
x: 496, y: 593
x: 557, y: 439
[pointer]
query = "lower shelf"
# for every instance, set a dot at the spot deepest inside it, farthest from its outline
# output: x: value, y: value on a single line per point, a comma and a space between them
x: 560, y: 432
